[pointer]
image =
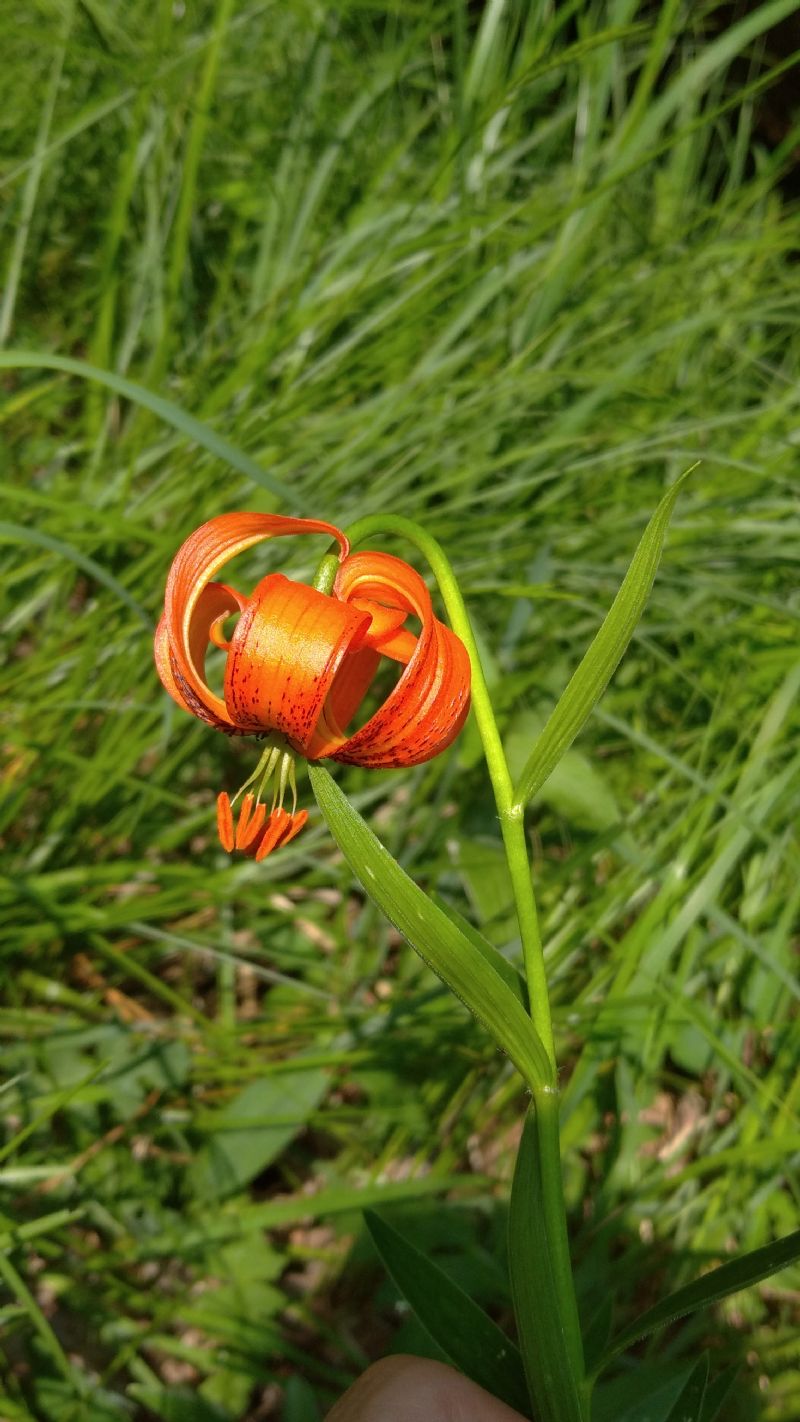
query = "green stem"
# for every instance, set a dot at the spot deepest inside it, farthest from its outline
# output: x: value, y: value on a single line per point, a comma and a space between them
x: 513, y: 830
x: 510, y: 813
x: 326, y: 572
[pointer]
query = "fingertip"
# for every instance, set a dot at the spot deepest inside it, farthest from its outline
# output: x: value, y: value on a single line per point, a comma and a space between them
x: 405, y: 1389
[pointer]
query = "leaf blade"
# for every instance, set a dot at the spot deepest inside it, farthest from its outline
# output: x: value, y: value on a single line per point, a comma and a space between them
x: 437, y: 940
x: 689, y: 1406
x: 470, y: 1339
x: 599, y: 663
x: 546, y: 1349
x: 511, y: 976
x: 727, y: 1279
x: 717, y: 1394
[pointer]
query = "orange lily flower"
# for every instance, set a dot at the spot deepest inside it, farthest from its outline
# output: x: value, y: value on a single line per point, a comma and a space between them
x: 300, y: 662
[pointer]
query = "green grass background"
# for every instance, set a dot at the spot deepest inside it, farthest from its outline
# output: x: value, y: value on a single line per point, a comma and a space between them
x: 507, y: 269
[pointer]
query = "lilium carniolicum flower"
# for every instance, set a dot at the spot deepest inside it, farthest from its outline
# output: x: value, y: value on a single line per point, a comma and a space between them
x: 299, y: 664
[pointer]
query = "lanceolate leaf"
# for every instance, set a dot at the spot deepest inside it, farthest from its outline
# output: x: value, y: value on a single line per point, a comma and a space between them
x: 717, y: 1284
x: 463, y: 967
x: 717, y: 1394
x: 600, y: 662
x: 551, y: 1367
x: 689, y: 1407
x: 649, y: 1390
x: 511, y: 976
x: 469, y: 1338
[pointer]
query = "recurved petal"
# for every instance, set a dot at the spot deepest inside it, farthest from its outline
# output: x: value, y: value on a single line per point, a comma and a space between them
x: 386, y: 633
x: 187, y: 603
x: 164, y: 665
x: 215, y: 602
x: 430, y: 702
x: 350, y: 686
x: 285, y: 652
